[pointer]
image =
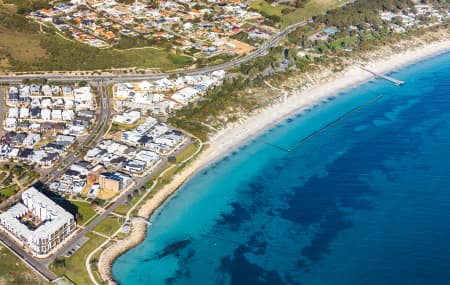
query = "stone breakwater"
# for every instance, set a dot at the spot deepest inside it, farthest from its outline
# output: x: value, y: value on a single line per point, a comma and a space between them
x: 139, y: 227
x: 137, y: 235
x: 237, y: 134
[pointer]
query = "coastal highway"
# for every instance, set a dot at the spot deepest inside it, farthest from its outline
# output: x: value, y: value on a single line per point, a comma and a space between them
x: 68, y: 77
x: 104, y: 117
x: 3, y: 108
x: 123, y: 77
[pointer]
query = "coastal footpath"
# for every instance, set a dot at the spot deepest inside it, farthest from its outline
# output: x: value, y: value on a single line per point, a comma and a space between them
x: 322, y: 86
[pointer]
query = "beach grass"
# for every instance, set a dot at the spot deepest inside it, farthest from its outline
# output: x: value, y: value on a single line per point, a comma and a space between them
x: 94, y: 268
x: 169, y: 174
x: 74, y: 266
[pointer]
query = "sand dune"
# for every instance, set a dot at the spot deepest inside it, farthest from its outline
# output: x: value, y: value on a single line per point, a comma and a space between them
x: 237, y: 134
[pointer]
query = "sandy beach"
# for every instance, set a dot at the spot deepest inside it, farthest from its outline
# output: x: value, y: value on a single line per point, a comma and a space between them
x: 237, y: 134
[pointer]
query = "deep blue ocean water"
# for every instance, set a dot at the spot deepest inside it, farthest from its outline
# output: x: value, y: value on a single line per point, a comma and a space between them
x: 353, y: 191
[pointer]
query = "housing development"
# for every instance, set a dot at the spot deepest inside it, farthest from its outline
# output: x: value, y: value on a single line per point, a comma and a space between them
x: 43, y: 124
x: 199, y: 29
x: 89, y: 152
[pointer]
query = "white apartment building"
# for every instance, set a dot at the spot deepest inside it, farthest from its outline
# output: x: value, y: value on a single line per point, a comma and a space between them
x: 38, y: 222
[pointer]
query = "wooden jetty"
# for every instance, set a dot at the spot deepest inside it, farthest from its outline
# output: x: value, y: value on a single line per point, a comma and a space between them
x: 385, y: 77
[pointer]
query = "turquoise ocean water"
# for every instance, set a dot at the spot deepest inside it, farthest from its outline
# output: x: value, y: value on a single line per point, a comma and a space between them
x: 355, y: 190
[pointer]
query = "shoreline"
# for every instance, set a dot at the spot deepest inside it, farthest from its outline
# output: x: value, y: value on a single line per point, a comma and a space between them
x: 240, y: 133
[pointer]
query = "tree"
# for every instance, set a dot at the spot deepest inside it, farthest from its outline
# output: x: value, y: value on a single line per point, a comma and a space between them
x: 60, y: 262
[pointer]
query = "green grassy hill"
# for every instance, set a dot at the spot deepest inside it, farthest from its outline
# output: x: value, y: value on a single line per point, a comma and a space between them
x: 25, y: 46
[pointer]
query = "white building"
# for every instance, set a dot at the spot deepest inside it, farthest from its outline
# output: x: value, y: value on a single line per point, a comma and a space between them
x: 95, y: 188
x: 47, y: 90
x: 46, y: 102
x: 185, y: 95
x: 13, y: 113
x: 56, y: 115
x: 38, y: 222
x: 67, y: 115
x: 4, y: 151
x: 46, y: 114
x: 83, y: 97
x: 24, y: 113
x: 11, y: 123
x: 129, y: 117
x: 31, y: 140
x: 65, y: 140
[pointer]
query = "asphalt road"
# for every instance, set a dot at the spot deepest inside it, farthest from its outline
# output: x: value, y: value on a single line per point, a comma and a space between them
x: 100, y: 129
x: 77, y: 237
x: 67, y: 77
x: 104, y: 118
x: 36, y: 264
x: 3, y: 108
x: 121, y: 77
x: 41, y: 265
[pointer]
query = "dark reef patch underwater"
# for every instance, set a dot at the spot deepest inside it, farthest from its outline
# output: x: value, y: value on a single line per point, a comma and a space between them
x: 364, y: 200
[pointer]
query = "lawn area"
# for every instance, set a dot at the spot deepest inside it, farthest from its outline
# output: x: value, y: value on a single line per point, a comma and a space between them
x: 125, y: 127
x: 85, y: 210
x: 188, y: 152
x: 74, y: 267
x: 312, y: 8
x: 267, y: 9
x: 123, y: 209
x: 43, y: 142
x: 108, y: 226
x: 349, y: 41
x: 10, y: 190
x: 14, y: 271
